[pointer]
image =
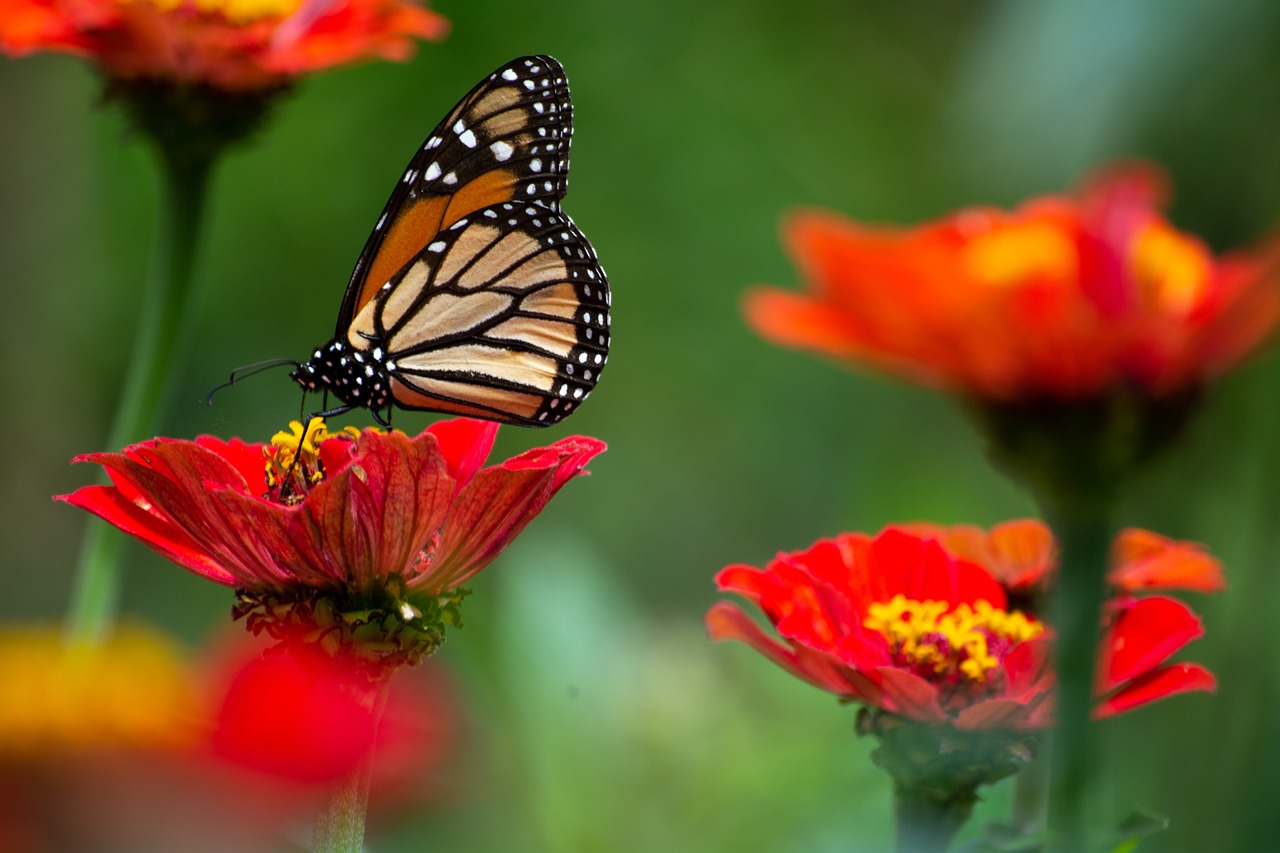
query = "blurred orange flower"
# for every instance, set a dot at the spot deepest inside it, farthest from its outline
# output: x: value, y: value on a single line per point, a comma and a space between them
x: 235, y: 45
x: 1066, y: 297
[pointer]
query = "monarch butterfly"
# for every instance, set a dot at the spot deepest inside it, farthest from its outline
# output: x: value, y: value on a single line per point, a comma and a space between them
x: 475, y: 294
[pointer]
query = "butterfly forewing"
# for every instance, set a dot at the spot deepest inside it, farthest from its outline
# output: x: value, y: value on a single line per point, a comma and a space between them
x: 506, y: 140
x: 504, y: 315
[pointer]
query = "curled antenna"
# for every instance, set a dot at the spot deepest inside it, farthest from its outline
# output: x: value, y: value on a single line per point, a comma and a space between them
x: 250, y: 370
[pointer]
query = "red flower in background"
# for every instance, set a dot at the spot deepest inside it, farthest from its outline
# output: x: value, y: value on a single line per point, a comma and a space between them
x: 1067, y: 297
x: 368, y: 522
x: 234, y: 45
x: 902, y: 623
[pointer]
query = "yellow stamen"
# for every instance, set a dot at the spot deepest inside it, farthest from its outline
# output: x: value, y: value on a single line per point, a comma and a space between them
x: 297, y: 452
x: 928, y: 634
x: 1172, y: 269
x: 1012, y: 254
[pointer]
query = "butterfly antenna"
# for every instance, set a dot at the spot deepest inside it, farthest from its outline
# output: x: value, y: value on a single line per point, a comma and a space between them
x: 250, y: 370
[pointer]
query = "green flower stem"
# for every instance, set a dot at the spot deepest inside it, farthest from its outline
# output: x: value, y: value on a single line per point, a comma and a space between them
x: 1031, y: 795
x: 185, y: 181
x: 1084, y: 536
x: 339, y: 823
x: 926, y: 820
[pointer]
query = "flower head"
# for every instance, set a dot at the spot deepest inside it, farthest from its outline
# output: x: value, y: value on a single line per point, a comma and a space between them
x: 1064, y: 298
x: 232, y: 45
x: 355, y: 538
x: 132, y: 692
x: 905, y: 623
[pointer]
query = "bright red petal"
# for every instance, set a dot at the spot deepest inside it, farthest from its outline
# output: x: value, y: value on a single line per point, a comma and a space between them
x: 465, y: 444
x: 1158, y: 684
x: 1145, y: 633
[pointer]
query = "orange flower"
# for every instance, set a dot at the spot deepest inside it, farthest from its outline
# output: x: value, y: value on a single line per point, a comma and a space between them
x: 1065, y: 298
x: 234, y: 45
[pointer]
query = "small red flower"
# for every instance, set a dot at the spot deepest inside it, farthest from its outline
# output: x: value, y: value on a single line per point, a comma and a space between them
x: 903, y: 623
x: 1065, y: 298
x: 364, y: 520
x: 234, y: 45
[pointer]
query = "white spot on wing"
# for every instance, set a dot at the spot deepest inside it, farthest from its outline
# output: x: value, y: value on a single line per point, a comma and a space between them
x: 437, y: 246
x: 433, y: 172
x: 510, y: 74
x: 467, y: 138
x: 502, y: 151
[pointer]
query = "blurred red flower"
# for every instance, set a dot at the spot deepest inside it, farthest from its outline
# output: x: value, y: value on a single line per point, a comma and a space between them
x: 233, y: 45
x: 902, y: 623
x: 1067, y: 297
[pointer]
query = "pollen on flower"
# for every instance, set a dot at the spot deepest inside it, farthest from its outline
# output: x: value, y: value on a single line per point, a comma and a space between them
x: 965, y: 641
x: 294, y: 454
x: 1171, y: 268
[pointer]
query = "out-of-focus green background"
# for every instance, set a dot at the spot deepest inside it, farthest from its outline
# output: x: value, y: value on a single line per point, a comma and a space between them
x: 600, y: 718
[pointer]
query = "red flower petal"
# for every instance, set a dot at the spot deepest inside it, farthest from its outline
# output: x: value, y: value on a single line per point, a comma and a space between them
x: 496, y: 505
x: 1145, y: 633
x: 1158, y: 684
x: 465, y: 444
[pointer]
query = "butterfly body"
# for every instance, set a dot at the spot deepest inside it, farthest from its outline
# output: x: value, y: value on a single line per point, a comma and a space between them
x: 475, y: 294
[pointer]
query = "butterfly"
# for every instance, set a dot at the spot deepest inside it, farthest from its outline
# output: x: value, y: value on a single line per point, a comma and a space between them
x: 476, y: 294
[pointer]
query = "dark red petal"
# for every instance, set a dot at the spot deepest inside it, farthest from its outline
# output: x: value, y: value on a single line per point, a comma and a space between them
x: 1157, y: 684
x: 465, y: 444
x: 1144, y: 635
x: 179, y: 481
x: 109, y: 504
x: 496, y: 505
x: 908, y: 694
x: 369, y: 520
x: 994, y: 714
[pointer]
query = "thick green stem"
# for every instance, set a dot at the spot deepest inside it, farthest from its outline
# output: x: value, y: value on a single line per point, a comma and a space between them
x: 1084, y: 537
x: 339, y: 823
x: 1031, y: 795
x: 925, y: 821
x: 184, y: 184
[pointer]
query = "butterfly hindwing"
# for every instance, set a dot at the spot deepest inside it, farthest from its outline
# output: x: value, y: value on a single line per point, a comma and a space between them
x: 504, y: 315
x: 507, y: 140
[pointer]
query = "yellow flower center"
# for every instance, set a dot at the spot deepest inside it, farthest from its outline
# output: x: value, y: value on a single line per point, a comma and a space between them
x: 942, y: 642
x: 293, y: 456
x: 235, y: 11
x: 1172, y: 269
x: 1010, y: 255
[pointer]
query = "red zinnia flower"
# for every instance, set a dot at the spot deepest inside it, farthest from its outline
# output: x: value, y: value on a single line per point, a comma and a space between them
x: 1067, y: 297
x: 363, y: 520
x: 902, y: 623
x: 227, y: 44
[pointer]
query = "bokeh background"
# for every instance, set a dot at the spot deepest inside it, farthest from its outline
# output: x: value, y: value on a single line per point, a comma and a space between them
x: 599, y: 718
